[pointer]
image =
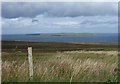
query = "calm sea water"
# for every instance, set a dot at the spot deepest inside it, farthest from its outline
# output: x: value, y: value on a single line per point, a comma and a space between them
x: 48, y: 38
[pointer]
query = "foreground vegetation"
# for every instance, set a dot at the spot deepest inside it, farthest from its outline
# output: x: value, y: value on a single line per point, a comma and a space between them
x: 61, y: 66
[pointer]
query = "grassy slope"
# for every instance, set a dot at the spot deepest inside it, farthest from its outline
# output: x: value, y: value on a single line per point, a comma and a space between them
x: 57, y: 46
x: 61, y: 64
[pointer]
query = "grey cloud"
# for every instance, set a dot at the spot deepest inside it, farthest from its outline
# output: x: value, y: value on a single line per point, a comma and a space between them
x: 99, y: 22
x: 55, y: 9
x: 60, y: 24
x: 119, y: 8
x: 33, y: 20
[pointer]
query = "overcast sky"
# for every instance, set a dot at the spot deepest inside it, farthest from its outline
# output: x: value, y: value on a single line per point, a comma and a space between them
x: 55, y: 17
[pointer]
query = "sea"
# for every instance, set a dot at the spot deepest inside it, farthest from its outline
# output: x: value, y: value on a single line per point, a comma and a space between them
x: 101, y: 37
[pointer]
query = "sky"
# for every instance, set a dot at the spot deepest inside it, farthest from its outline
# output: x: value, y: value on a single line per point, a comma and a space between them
x: 59, y: 17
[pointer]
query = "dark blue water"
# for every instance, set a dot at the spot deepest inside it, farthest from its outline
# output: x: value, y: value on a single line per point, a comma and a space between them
x: 48, y: 38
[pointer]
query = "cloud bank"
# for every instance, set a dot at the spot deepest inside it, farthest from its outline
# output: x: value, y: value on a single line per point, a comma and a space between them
x: 54, y: 17
x: 55, y: 9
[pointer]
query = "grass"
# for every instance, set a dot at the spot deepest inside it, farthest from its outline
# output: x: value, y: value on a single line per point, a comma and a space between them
x: 57, y: 66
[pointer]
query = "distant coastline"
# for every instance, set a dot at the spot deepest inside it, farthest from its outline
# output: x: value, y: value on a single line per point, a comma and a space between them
x: 62, y: 34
